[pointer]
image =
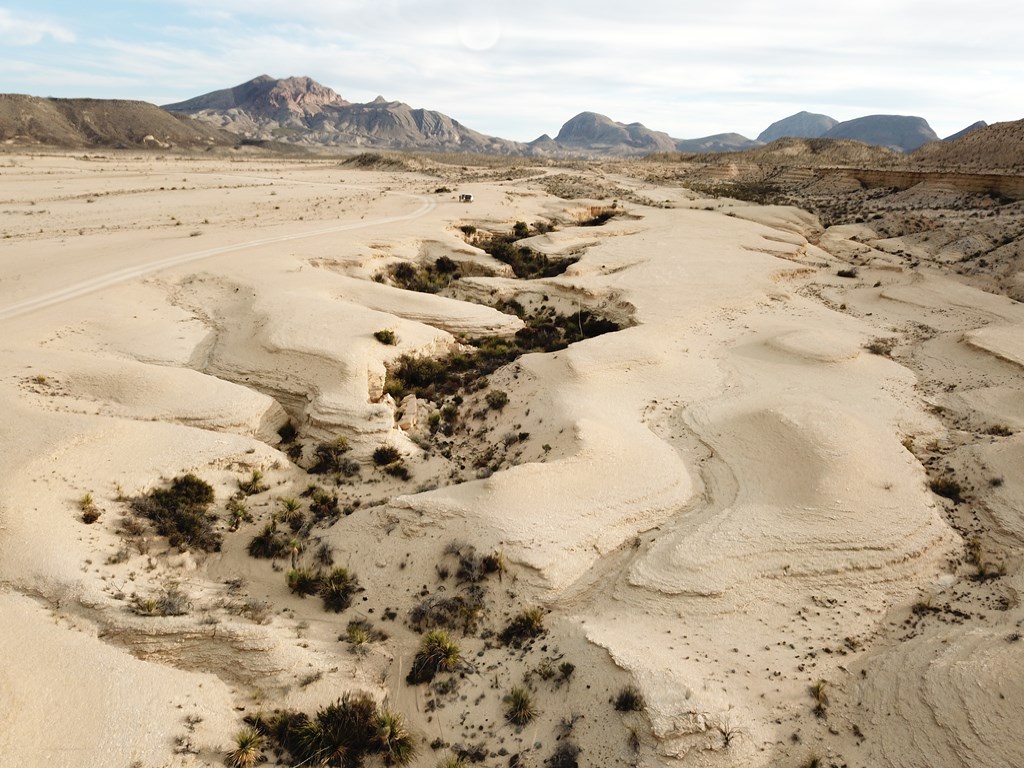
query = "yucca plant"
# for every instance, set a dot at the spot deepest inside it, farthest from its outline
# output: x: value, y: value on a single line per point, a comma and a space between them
x: 268, y: 543
x: 336, y: 589
x: 254, y: 484
x: 437, y: 653
x: 519, y: 706
x: 302, y: 582
x: 392, y: 739
x: 248, y: 750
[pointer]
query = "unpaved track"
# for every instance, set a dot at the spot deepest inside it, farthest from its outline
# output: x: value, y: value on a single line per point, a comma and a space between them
x: 114, y: 277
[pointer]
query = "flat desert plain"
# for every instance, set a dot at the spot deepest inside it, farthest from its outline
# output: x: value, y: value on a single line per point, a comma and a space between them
x: 772, y: 517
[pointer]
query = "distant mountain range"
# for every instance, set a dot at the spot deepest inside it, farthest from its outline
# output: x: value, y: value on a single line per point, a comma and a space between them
x: 300, y: 112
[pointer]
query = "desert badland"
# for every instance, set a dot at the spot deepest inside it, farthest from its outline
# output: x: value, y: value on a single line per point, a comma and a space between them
x: 606, y: 466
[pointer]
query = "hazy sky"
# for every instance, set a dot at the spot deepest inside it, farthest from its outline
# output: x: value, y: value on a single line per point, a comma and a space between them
x: 519, y: 69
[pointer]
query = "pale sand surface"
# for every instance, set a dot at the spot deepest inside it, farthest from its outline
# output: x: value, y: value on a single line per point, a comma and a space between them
x: 723, y: 503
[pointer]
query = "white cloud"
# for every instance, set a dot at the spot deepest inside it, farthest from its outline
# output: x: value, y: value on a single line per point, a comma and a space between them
x: 20, y: 30
x: 522, y: 69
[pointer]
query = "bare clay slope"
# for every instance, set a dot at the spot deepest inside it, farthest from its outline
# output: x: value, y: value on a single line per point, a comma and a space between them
x: 706, y: 539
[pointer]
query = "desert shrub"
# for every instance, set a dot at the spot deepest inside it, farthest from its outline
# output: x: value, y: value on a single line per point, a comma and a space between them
x: 291, y: 512
x: 820, y: 697
x: 519, y: 706
x: 386, y: 454
x: 288, y: 433
x: 437, y: 653
x: 399, y: 470
x: 472, y: 566
x: 238, y: 513
x: 302, y: 582
x: 340, y: 734
x: 497, y: 399
x: 324, y: 505
x: 462, y: 612
x: 90, y: 512
x: 359, y: 633
x: 566, y: 755
x: 429, y: 278
x: 948, y: 488
x: 180, y: 513
x: 171, y: 601
x: 386, y: 336
x: 269, y: 543
x: 391, y: 739
x: 999, y: 430
x: 336, y: 589
x: 524, y: 627
x: 629, y: 699
x: 248, y: 751
x: 253, y: 484
x: 881, y: 346
x: 468, y: 230
x: 329, y: 456
x: 434, y: 378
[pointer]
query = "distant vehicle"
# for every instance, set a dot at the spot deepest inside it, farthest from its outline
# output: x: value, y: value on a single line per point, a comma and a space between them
x: 465, y: 198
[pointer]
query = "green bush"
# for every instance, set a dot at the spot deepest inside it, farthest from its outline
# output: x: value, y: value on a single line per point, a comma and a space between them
x: 497, y: 399
x: 386, y: 336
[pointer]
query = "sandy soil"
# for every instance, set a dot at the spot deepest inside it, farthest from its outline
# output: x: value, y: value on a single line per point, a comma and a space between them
x: 727, y: 503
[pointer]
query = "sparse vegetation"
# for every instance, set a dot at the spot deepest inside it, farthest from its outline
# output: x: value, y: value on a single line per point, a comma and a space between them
x: 386, y: 336
x: 519, y: 706
x: 434, y: 378
x: 253, y: 484
x: 343, y: 734
x: 947, y: 487
x: 269, y: 543
x: 170, y: 601
x: 303, y: 582
x: 437, y: 653
x: 336, y: 589
x: 248, y: 751
x: 819, y: 696
x: 180, y: 513
x: 526, y: 626
x: 881, y: 346
x: 629, y: 699
x: 90, y: 512
x: 329, y: 457
x: 566, y: 755
x: 496, y: 399
x: 386, y: 454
